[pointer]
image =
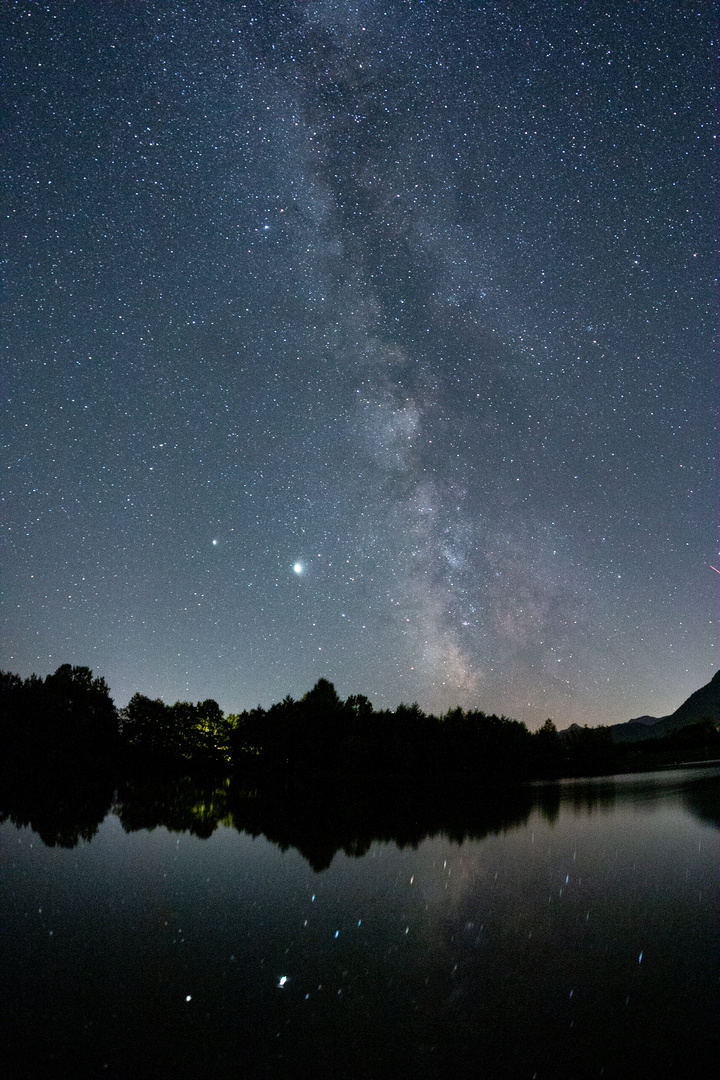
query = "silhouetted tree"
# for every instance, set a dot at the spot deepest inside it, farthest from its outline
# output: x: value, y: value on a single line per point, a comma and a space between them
x: 183, y: 731
x: 148, y: 726
x: 547, y: 756
x: 69, y: 719
x: 213, y: 730
x: 67, y: 716
x: 587, y: 751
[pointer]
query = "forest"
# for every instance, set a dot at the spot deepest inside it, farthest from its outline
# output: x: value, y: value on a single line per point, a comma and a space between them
x: 319, y: 774
x: 68, y: 720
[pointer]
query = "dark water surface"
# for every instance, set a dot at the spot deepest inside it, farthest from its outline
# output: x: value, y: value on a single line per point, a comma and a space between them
x: 576, y: 939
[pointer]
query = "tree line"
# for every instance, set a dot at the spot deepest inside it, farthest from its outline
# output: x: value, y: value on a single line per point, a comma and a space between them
x: 69, y: 718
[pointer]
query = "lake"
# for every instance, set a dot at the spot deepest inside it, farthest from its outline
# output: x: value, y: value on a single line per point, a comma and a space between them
x: 570, y: 931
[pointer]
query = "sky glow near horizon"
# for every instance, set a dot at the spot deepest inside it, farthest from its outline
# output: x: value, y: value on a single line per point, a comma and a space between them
x: 372, y: 342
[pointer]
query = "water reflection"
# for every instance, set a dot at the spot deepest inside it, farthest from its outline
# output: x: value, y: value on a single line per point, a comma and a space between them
x: 319, y: 822
x: 697, y: 789
x: 62, y: 806
x: 224, y: 928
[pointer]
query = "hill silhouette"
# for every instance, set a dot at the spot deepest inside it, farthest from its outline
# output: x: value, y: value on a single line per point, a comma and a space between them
x: 703, y: 704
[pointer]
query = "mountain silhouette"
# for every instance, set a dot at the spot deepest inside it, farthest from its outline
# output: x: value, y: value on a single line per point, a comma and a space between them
x: 703, y: 704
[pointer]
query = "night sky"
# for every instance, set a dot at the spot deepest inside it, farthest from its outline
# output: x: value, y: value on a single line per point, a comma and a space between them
x: 367, y: 341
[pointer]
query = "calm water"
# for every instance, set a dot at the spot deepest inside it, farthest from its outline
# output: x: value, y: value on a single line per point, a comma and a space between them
x: 578, y: 938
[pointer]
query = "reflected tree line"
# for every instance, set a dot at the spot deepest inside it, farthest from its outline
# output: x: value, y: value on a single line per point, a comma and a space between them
x: 319, y: 774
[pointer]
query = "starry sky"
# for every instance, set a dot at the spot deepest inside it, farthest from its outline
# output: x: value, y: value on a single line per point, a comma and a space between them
x: 371, y: 341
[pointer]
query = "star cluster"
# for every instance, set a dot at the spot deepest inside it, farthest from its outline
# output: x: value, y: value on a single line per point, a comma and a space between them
x: 373, y: 342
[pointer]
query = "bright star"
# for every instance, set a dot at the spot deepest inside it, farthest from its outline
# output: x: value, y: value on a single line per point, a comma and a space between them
x: 298, y: 568
x: 214, y: 543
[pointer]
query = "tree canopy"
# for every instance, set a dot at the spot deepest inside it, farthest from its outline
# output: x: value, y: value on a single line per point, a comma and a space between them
x: 69, y: 718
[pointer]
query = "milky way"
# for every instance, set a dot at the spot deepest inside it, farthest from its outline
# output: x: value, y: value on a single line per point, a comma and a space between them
x: 373, y: 342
